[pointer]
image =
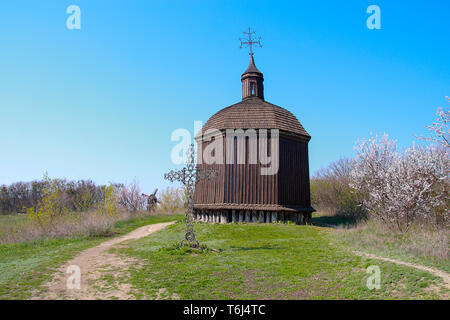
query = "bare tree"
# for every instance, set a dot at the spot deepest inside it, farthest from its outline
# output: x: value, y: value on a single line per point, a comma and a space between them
x: 131, y: 198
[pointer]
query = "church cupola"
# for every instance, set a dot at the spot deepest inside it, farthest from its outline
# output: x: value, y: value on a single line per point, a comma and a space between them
x: 252, y: 81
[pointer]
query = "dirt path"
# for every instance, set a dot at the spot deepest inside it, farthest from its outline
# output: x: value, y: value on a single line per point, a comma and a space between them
x: 439, y: 273
x: 94, y: 263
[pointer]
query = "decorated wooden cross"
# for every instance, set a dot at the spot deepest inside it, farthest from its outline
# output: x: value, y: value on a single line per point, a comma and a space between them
x: 250, y: 41
x: 189, y: 176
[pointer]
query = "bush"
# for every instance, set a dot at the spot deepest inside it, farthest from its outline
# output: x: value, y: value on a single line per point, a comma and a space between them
x: 50, y: 208
x: 109, y: 205
x: 331, y: 192
x: 172, y: 200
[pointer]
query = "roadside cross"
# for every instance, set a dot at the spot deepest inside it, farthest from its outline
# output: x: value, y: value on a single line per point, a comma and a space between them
x: 189, y: 176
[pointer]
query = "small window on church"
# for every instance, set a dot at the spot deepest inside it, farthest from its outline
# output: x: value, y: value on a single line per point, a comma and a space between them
x: 252, y: 88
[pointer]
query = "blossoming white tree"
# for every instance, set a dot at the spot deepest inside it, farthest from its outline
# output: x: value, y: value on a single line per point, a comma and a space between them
x: 440, y: 130
x: 400, y: 187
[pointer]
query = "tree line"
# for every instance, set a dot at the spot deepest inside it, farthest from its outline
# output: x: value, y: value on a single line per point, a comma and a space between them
x: 75, y: 195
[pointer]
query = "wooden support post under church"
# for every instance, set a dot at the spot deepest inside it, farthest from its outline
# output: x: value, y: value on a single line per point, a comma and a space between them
x: 254, y: 216
x: 300, y: 219
x: 223, y: 218
x: 247, y: 216
x: 233, y: 216
x: 261, y: 217
x: 309, y: 217
x: 274, y: 217
x: 241, y: 216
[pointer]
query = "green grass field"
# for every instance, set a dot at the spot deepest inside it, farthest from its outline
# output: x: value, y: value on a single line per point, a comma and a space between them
x: 25, y: 266
x: 242, y: 261
x: 251, y: 261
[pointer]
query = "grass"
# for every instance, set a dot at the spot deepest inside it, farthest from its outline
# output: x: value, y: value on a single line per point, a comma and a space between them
x: 25, y: 266
x: 240, y: 261
x: 251, y: 261
x: 10, y: 220
x: 419, y: 245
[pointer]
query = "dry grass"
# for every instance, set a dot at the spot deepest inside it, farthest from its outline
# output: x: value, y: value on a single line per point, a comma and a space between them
x: 421, y: 243
x: 91, y: 223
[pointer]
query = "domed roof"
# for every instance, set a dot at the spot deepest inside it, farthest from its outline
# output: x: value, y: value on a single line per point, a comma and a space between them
x: 256, y: 113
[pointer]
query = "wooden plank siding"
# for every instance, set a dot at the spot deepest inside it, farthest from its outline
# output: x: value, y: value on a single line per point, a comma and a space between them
x: 242, y: 187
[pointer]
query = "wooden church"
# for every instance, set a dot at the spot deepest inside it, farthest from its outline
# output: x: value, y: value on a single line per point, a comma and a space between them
x: 242, y: 191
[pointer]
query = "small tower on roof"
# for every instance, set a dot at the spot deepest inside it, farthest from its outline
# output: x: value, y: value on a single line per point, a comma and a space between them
x: 252, y: 79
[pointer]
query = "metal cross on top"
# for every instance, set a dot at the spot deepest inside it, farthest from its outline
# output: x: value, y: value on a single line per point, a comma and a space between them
x: 250, y: 41
x: 189, y: 176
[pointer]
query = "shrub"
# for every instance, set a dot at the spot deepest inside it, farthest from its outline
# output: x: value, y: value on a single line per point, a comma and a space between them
x: 331, y: 193
x: 172, y: 200
x: 50, y: 207
x: 109, y: 205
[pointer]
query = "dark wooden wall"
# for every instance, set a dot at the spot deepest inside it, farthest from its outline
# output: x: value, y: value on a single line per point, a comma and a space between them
x: 294, y: 187
x: 243, y: 183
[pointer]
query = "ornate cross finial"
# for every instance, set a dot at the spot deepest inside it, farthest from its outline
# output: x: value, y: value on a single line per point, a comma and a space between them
x: 189, y: 176
x: 250, y: 41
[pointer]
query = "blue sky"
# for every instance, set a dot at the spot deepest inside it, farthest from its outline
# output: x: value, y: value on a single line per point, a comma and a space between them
x: 102, y: 102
